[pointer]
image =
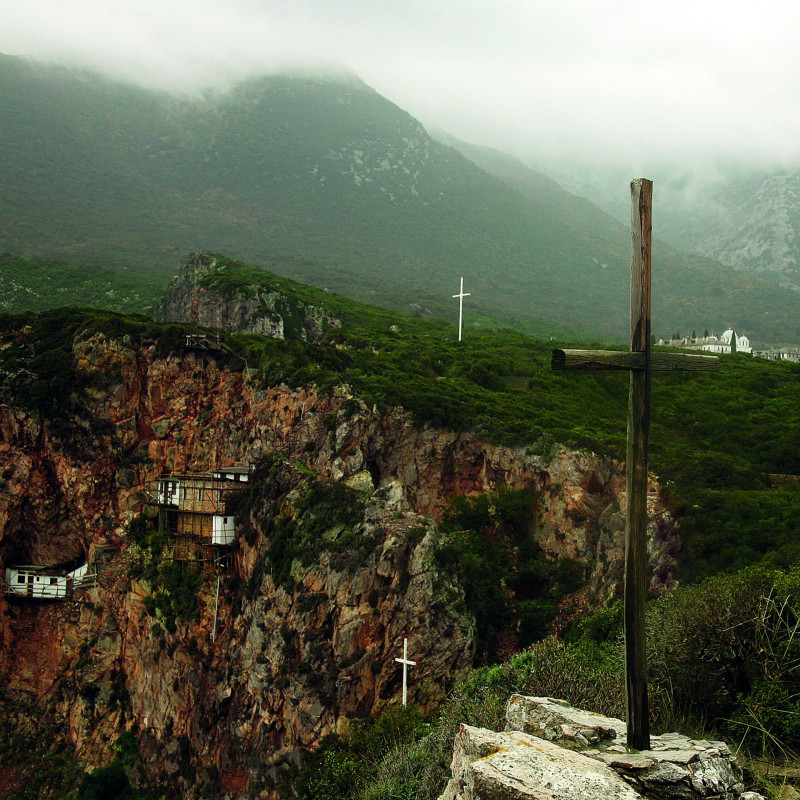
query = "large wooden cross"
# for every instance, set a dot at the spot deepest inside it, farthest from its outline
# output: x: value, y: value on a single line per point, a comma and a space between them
x: 640, y: 362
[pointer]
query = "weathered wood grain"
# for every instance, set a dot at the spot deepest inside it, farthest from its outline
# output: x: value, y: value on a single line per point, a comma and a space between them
x: 641, y: 363
x: 617, y: 359
x: 636, y: 564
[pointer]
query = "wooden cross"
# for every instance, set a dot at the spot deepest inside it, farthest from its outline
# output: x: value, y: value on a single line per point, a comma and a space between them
x: 406, y: 664
x: 640, y: 362
x: 461, y: 295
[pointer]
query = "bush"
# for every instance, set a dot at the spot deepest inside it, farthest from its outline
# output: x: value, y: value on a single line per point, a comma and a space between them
x: 106, y: 783
x: 708, y: 643
x: 321, y: 506
x: 342, y: 769
x: 510, y: 586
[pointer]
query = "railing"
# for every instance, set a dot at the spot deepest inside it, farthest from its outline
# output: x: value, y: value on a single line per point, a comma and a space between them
x: 63, y: 588
x: 88, y: 581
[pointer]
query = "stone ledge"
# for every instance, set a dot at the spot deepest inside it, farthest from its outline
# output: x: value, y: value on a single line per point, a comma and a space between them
x: 551, y: 751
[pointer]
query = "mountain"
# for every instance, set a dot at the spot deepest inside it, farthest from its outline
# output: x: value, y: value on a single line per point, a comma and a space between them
x: 761, y: 230
x: 745, y: 218
x: 322, y: 179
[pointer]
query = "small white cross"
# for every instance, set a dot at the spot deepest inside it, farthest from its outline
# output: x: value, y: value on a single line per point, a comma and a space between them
x: 461, y: 297
x: 406, y: 664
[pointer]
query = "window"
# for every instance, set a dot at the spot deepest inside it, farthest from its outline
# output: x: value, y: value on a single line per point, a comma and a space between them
x: 20, y: 579
x: 53, y: 580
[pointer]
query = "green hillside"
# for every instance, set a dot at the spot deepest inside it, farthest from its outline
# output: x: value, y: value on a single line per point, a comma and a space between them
x: 326, y: 181
x: 32, y: 285
x: 715, y: 439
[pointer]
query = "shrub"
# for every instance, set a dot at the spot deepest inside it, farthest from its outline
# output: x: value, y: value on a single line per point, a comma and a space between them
x: 510, y: 586
x: 342, y: 769
x: 106, y: 783
x: 321, y: 506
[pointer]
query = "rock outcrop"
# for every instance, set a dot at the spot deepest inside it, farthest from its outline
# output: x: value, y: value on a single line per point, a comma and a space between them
x: 295, y: 655
x: 208, y: 290
x: 551, y: 751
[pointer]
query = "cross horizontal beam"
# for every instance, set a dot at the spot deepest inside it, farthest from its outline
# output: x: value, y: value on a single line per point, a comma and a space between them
x: 619, y: 359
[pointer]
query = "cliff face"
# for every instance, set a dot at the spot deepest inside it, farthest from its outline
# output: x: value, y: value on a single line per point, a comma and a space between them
x: 206, y: 291
x: 296, y: 652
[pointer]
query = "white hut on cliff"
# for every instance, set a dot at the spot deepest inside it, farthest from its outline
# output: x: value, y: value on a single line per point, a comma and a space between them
x: 46, y: 583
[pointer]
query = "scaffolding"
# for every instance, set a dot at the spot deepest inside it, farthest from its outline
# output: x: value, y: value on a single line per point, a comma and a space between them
x: 192, y: 512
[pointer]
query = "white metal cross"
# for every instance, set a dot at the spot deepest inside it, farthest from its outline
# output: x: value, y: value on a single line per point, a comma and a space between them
x: 406, y: 664
x: 461, y: 297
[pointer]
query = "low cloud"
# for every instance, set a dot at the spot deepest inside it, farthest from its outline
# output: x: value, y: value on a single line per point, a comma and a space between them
x: 627, y: 84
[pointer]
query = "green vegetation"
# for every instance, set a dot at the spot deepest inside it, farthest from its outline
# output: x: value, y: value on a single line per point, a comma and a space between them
x: 112, y: 782
x: 107, y: 783
x: 723, y: 661
x: 339, y: 765
x: 174, y: 584
x: 234, y: 279
x: 38, y: 369
x: 32, y: 767
x: 31, y: 284
x: 328, y: 517
x: 305, y: 520
x: 511, y: 587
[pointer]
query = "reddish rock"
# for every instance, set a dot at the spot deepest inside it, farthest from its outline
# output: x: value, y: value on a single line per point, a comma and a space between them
x: 287, y: 666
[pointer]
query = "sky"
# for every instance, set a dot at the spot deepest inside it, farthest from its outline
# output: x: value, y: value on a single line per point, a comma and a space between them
x: 621, y: 83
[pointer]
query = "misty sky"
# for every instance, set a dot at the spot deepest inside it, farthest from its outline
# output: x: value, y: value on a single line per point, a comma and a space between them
x: 623, y: 82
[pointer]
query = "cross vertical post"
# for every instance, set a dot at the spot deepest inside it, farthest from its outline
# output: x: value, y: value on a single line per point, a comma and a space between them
x: 641, y: 363
x: 461, y: 297
x: 406, y: 664
x: 636, y: 563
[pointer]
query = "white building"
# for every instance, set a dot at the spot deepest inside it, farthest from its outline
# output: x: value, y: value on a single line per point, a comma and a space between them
x: 729, y: 342
x: 238, y: 474
x: 789, y: 354
x: 44, y: 582
x: 223, y: 529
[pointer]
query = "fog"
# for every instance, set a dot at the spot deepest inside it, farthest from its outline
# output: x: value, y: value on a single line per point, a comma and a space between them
x: 628, y: 86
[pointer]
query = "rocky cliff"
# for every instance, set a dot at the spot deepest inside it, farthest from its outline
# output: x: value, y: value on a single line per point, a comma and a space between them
x: 759, y: 233
x: 213, y: 291
x: 302, y: 644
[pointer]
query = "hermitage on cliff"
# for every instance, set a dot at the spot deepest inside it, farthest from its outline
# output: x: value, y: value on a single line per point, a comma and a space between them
x: 193, y: 512
x: 47, y: 582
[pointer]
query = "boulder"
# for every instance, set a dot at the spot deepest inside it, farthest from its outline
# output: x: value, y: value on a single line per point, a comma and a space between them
x: 507, y: 766
x: 553, y: 750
